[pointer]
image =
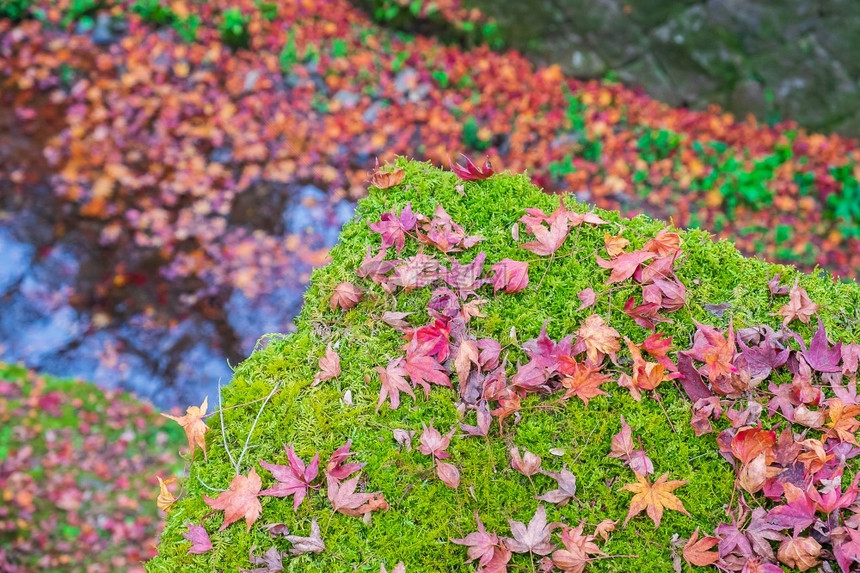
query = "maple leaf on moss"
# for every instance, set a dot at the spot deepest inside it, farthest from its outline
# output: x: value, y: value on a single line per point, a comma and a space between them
x: 624, y: 265
x: 487, y: 548
x: 329, y: 366
x: 194, y: 426
x: 165, y: 499
x: 344, y: 499
x: 470, y: 171
x: 510, y: 276
x: 582, y: 380
x: 393, y: 383
x: 345, y: 296
x: 654, y: 498
x: 294, y: 478
x: 386, y: 179
x: 698, y: 551
x: 598, y: 338
x: 199, y: 538
x: 548, y: 239
x: 577, y: 549
x: 241, y: 500
x: 534, y: 537
x: 313, y: 543
x: 799, y: 306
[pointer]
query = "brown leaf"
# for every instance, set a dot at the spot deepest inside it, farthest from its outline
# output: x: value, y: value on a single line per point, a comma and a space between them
x: 800, y: 553
x: 653, y: 498
x: 194, y: 426
x: 165, y: 499
x: 241, y: 500
x: 386, y: 179
x: 604, y: 528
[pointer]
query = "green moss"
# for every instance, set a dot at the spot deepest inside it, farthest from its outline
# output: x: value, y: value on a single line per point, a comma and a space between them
x: 425, y: 514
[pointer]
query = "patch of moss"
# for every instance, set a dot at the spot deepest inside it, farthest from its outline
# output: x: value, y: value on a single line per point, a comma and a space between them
x: 424, y: 513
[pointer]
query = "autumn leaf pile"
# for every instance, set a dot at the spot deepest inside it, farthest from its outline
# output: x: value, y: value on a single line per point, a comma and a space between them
x: 77, y: 466
x: 489, y: 378
x: 163, y: 135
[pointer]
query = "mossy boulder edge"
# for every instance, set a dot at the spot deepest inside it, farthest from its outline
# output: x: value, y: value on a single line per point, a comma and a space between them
x: 425, y: 514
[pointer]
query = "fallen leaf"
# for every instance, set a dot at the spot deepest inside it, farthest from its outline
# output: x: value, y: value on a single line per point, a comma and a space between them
x: 510, y: 276
x: 345, y: 296
x: 293, y: 479
x: 329, y: 366
x: 165, y: 499
x: 199, y: 538
x: 566, y: 488
x: 528, y: 464
x: 799, y: 306
x: 241, y: 500
x: 653, y: 498
x: 344, y: 499
x: 534, y: 538
x: 449, y: 474
x: 470, y: 171
x: 698, y: 551
x: 194, y: 426
x: 311, y: 544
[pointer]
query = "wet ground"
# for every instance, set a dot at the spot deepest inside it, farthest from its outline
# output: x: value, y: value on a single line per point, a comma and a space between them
x: 72, y: 307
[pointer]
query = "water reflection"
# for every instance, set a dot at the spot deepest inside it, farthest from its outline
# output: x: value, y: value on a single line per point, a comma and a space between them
x: 57, y: 316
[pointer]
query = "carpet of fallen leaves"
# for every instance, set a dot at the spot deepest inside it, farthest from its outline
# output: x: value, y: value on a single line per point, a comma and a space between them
x: 795, y: 496
x: 77, y: 469
x: 164, y: 135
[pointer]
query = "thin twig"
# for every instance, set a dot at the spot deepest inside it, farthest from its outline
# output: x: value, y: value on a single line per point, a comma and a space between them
x: 254, y: 425
x: 224, y: 431
x: 207, y: 486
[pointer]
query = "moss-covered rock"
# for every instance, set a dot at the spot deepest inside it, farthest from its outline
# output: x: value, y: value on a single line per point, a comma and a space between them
x: 425, y: 514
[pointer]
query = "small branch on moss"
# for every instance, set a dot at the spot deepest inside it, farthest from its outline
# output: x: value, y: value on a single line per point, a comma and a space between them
x: 233, y: 406
x: 224, y: 430
x: 207, y: 486
x: 254, y: 425
x: 665, y: 413
x: 548, y: 265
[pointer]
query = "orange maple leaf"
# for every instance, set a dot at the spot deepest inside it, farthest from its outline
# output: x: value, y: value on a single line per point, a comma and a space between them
x: 582, y: 380
x: 842, y: 421
x: 241, y: 500
x: 653, y: 498
x: 698, y: 551
x: 194, y: 426
x: 599, y: 338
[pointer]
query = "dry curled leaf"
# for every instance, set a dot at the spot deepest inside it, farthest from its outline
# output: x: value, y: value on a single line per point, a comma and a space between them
x: 194, y: 426
x: 310, y: 544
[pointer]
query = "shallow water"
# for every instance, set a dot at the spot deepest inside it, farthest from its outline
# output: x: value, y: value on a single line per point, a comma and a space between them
x: 62, y: 311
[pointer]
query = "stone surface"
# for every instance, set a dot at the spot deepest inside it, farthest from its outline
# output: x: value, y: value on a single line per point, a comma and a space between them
x: 793, y: 59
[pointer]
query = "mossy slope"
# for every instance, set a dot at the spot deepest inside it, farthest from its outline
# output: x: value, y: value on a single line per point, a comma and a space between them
x: 424, y: 513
